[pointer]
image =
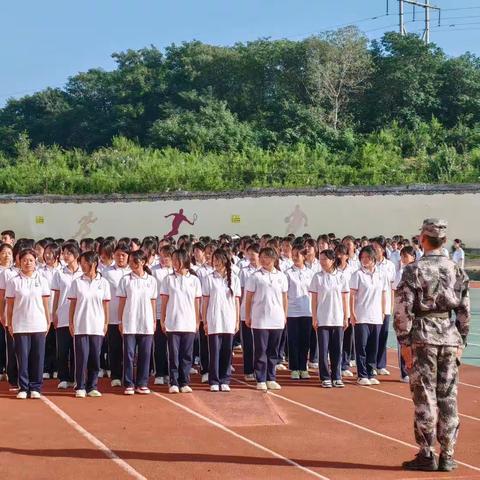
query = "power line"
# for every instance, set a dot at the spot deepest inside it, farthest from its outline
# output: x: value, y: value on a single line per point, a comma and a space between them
x: 462, y: 8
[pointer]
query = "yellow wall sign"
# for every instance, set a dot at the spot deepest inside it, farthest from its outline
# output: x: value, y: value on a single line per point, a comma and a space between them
x: 39, y: 219
x: 235, y: 218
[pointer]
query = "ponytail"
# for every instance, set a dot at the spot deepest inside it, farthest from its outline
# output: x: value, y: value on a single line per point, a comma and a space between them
x: 222, y: 256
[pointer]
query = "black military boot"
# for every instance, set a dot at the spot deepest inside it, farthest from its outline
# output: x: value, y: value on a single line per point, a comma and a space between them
x: 446, y: 463
x: 422, y: 462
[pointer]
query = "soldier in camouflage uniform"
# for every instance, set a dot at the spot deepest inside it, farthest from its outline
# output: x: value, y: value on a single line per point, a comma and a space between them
x: 432, y: 342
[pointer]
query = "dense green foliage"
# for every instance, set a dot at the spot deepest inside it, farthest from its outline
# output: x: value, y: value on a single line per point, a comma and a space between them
x: 331, y: 110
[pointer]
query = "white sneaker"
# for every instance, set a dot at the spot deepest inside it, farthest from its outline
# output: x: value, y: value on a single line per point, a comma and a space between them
x: 364, y: 381
x: 101, y: 373
x: 116, y: 383
x: 55, y: 374
x: 129, y: 391
x: 262, y: 386
x: 383, y: 371
x: 313, y: 365
x: 193, y: 371
x: 250, y: 377
x: 280, y: 366
x: 273, y: 385
x: 405, y: 379
x: 80, y: 393
x: 159, y: 381
x: 186, y: 389
x: 374, y: 381
x: 173, y: 389
x: 353, y: 363
x: 295, y: 375
x: 109, y: 373
x: 142, y: 390
x: 304, y: 375
x: 22, y: 395
x: 214, y: 388
x: 338, y: 384
x: 94, y: 393
x: 62, y: 386
x: 347, y: 373
x: 205, y: 378
x: 374, y: 372
x: 46, y: 376
x: 224, y: 387
x: 326, y: 384
x: 35, y: 394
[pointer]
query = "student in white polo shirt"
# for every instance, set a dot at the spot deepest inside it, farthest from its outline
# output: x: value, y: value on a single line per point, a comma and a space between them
x: 159, y: 272
x: 266, y: 313
x: 28, y: 320
x: 299, y: 318
x: 137, y: 307
x: 386, y: 267
x: 246, y: 336
x: 88, y: 321
x: 458, y: 255
x: 221, y: 313
x: 61, y: 283
x: 368, y: 290
x: 113, y: 275
x: 180, y: 319
x: 329, y: 289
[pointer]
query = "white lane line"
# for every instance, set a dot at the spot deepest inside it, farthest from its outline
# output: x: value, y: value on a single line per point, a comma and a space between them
x: 460, y: 383
x: 94, y: 440
x: 241, y: 437
x: 351, y: 424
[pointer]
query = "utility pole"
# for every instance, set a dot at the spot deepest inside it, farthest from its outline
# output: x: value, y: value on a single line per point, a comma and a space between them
x: 426, y: 7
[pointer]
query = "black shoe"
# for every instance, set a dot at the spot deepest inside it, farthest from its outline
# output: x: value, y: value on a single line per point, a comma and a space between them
x: 446, y: 463
x: 422, y: 463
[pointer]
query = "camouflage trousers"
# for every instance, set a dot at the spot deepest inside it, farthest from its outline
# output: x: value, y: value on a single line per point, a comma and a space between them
x: 433, y: 383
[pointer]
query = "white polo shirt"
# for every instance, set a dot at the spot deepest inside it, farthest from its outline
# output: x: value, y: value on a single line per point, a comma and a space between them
x: 388, y: 269
x: 113, y: 275
x: 204, y: 270
x: 354, y: 263
x: 182, y: 291
x: 28, y: 310
x: 245, y: 274
x: 267, y: 305
x: 221, y: 311
x: 242, y: 263
x: 138, y: 315
x: 395, y: 258
x: 285, y: 264
x: 61, y: 282
x: 48, y: 272
x: 329, y: 287
x: 369, y: 288
x: 159, y: 273
x: 299, y: 302
x: 314, y: 266
x: 6, y: 274
x: 458, y: 256
x: 89, y: 316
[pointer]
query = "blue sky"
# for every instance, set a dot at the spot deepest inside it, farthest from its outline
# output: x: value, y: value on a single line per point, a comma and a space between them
x: 45, y: 42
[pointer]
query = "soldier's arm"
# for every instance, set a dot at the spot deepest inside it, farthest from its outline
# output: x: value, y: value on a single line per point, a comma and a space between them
x: 403, y: 315
x: 462, y: 312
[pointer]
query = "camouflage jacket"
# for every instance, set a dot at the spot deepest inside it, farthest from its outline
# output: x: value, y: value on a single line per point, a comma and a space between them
x: 428, y: 292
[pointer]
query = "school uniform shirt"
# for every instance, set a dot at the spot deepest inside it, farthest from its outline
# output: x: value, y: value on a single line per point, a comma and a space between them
x: 6, y: 274
x: 138, y: 315
x: 445, y: 252
x: 347, y: 273
x: 354, y: 262
x: 242, y: 263
x: 458, y: 256
x: 395, y: 258
x: 102, y: 268
x: 235, y: 270
x: 267, y: 305
x: 245, y: 274
x: 314, y: 266
x: 299, y: 302
x: 182, y: 291
x: 48, y: 273
x: 89, y: 316
x: 285, y: 264
x: 61, y: 282
x: 418, y: 254
x: 204, y: 270
x: 159, y: 273
x: 28, y: 311
x: 221, y: 311
x: 369, y: 288
x: 113, y: 275
x: 388, y: 269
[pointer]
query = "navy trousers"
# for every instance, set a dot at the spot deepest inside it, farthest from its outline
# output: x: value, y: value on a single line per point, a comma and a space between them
x: 50, y: 365
x: 30, y: 352
x: 266, y: 343
x: 12, y: 367
x: 65, y: 354
x: 247, y: 347
x: 87, y: 361
x: 115, y: 352
x: 313, y: 356
x: 348, y: 347
x: 180, y: 357
x: 220, y: 362
x: 330, y: 340
x: 382, y: 343
x: 298, y: 333
x: 282, y: 348
x: 3, y: 350
x: 144, y: 344
x: 160, y: 352
x: 203, y: 342
x: 366, y: 347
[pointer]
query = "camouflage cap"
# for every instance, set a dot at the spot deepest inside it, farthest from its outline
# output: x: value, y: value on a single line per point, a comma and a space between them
x: 435, y: 227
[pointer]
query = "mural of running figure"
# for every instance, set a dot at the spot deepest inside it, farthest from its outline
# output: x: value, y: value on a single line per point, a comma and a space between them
x: 296, y: 220
x: 178, y: 219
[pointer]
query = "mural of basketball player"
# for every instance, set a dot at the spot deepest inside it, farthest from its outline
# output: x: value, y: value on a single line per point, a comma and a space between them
x: 178, y: 219
x: 296, y: 220
x: 85, y: 222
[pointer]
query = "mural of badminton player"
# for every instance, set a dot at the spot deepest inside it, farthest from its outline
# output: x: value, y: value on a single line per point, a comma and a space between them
x: 296, y: 220
x: 178, y: 219
x: 84, y: 229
